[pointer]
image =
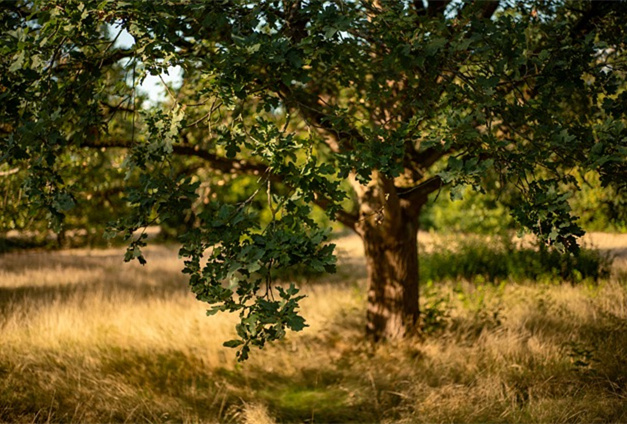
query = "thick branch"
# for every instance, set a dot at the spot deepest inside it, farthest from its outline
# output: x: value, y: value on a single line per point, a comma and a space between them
x: 311, y: 111
x: 417, y: 163
x: 9, y: 172
x: 230, y: 165
x: 346, y: 218
x: 418, y: 194
x: 105, y: 61
x: 216, y: 162
x: 428, y: 157
x: 434, y: 8
x: 488, y: 8
x: 295, y: 23
x: 437, y: 7
x: 482, y: 8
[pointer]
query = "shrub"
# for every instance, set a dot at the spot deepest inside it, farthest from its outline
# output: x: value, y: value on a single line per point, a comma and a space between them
x: 499, y: 259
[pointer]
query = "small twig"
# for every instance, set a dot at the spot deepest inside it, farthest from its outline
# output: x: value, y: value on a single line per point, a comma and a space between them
x: 110, y: 45
x: 272, y: 209
x: 269, y: 290
x: 207, y: 115
x: 167, y: 88
x: 133, y: 98
x: 287, y: 122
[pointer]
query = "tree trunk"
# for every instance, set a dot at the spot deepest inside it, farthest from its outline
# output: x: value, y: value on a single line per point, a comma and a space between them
x: 392, y: 262
x: 388, y: 227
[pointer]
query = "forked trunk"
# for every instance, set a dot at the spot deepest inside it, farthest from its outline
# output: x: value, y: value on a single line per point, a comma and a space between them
x: 392, y: 261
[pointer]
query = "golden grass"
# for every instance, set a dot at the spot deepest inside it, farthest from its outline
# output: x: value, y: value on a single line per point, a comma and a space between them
x: 86, y: 338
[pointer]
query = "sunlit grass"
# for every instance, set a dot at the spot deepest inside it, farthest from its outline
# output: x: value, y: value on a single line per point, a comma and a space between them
x: 86, y: 338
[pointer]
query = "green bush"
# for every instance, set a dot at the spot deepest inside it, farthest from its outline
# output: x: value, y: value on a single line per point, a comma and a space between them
x: 474, y: 213
x: 598, y: 208
x: 500, y: 259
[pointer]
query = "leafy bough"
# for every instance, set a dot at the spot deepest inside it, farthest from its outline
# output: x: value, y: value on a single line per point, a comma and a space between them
x: 238, y: 274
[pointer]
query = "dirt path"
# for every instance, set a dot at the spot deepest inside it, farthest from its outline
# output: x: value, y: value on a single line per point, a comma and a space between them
x: 614, y: 244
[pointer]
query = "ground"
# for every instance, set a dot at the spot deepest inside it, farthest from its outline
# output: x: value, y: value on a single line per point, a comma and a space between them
x: 86, y: 338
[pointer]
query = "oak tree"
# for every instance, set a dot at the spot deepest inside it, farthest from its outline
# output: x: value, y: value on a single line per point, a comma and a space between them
x: 362, y: 108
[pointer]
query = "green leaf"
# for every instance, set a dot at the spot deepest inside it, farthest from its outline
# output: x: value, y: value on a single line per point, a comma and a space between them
x: 233, y: 343
x: 18, y: 62
x: 296, y: 323
x: 330, y: 32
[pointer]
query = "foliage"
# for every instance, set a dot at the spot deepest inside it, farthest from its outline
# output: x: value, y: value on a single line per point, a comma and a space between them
x: 399, y: 98
x: 474, y: 213
x: 600, y: 209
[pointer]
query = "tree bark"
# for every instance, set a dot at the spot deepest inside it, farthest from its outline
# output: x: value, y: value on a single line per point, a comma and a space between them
x: 392, y: 262
x: 388, y: 226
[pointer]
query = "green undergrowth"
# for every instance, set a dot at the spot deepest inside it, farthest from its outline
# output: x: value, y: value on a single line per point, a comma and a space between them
x: 500, y: 259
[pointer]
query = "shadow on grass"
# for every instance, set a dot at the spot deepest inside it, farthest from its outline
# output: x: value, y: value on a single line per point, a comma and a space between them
x: 165, y: 284
x: 21, y: 261
x: 309, y: 394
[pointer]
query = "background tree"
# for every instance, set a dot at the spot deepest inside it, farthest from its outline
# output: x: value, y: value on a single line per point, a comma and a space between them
x: 363, y: 108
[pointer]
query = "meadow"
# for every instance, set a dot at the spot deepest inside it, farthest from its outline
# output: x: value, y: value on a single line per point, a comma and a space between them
x: 87, y: 338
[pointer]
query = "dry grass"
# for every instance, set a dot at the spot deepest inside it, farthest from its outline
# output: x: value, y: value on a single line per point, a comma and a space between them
x: 85, y: 338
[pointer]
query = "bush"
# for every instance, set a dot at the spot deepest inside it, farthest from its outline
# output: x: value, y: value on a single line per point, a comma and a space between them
x: 474, y: 213
x: 500, y: 259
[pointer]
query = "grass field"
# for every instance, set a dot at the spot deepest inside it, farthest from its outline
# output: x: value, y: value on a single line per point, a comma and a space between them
x: 86, y: 338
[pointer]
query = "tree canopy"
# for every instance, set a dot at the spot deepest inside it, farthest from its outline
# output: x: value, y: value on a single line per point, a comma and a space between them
x: 360, y: 108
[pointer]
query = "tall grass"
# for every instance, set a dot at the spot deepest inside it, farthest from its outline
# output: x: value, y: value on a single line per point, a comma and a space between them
x: 84, y: 338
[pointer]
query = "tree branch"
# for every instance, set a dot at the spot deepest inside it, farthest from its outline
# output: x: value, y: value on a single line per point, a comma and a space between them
x: 418, y: 194
x: 301, y: 101
x: 437, y: 6
x: 346, y: 218
x: 105, y: 61
x: 216, y: 162
x: 230, y: 165
x: 434, y: 7
x: 428, y: 157
x: 488, y: 8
